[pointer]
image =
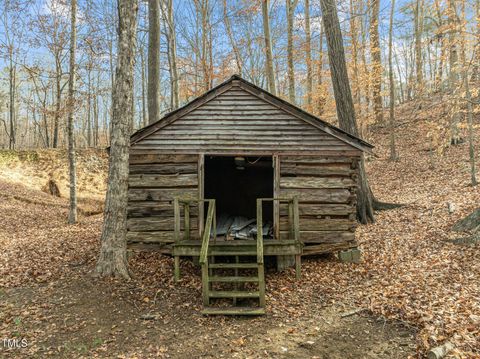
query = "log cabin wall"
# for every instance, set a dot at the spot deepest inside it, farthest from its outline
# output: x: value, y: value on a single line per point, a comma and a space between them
x: 154, y: 180
x: 314, y: 161
x: 326, y: 188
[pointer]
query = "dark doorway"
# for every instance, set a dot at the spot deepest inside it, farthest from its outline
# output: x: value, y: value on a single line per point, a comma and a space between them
x: 236, y: 183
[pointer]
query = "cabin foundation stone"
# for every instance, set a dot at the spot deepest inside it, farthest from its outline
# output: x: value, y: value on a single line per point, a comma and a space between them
x: 353, y: 255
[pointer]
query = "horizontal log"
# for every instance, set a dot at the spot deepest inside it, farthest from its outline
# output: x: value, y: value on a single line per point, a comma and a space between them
x: 161, y: 194
x: 243, y: 136
x: 316, y: 182
x: 240, y: 111
x: 150, y: 237
x: 150, y: 247
x: 306, y: 170
x: 155, y: 224
x: 326, y: 195
x: 156, y: 209
x: 322, y: 236
x: 327, y: 248
x: 164, y: 168
x: 159, y: 180
x: 157, y: 158
x: 315, y: 224
x: 314, y: 160
x: 321, y: 209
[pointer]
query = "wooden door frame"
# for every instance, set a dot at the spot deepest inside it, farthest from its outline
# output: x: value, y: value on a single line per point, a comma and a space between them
x: 276, y: 187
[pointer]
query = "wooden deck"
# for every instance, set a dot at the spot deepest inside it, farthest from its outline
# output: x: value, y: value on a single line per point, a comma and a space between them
x: 271, y: 247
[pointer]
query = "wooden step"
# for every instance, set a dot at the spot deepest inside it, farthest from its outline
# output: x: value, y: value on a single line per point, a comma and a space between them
x: 232, y: 253
x: 233, y: 311
x: 233, y: 265
x: 233, y: 294
x: 233, y: 279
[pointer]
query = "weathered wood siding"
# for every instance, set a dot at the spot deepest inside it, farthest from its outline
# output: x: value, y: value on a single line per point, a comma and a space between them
x: 238, y: 122
x: 326, y: 190
x: 154, y: 180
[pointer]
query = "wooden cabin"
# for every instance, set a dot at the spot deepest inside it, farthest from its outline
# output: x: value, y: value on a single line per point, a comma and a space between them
x: 236, y: 144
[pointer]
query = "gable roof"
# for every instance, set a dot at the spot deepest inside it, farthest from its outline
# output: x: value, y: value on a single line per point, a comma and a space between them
x: 262, y: 94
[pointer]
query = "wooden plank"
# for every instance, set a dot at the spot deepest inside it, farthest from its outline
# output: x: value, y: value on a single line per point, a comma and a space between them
x: 155, y: 209
x: 168, y: 119
x: 228, y: 142
x: 327, y: 195
x: 321, y: 209
x: 327, y: 248
x: 306, y: 170
x: 159, y: 158
x: 315, y: 160
x: 154, y: 194
x: 322, y: 236
x: 153, y: 224
x: 265, y: 131
x: 247, y: 151
x: 315, y: 224
x: 237, y: 135
x: 162, y: 180
x: 151, y: 237
x: 317, y: 182
x: 168, y: 168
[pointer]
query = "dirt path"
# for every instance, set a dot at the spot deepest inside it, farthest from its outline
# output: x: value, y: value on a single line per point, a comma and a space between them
x: 90, y: 318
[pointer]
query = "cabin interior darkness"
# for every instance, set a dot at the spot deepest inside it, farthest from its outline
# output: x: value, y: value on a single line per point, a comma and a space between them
x: 236, y: 183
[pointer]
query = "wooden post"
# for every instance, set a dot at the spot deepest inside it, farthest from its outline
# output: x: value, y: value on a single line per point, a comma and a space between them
x: 296, y: 219
x: 205, y: 285
x: 186, y: 208
x: 201, y: 192
x: 276, y: 192
x: 261, y: 284
x: 176, y: 211
x: 176, y: 235
x: 298, y: 266
x: 176, y: 274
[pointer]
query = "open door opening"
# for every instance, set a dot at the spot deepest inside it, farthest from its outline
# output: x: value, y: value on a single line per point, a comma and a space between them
x: 236, y: 183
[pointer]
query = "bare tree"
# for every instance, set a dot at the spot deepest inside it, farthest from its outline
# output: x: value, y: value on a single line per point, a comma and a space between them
x: 153, y: 86
x: 291, y: 5
x: 268, y: 48
x: 376, y: 56
x: 344, y: 100
x: 113, y: 254
x: 308, y: 53
x: 72, y: 214
x: 393, y: 147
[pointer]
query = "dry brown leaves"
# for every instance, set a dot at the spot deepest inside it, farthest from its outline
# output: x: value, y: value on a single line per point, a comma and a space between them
x: 409, y: 270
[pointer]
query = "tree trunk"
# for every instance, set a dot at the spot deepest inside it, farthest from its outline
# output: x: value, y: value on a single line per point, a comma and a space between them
x: 291, y: 5
x: 308, y: 53
x: 376, y: 57
x: 58, y: 87
x: 72, y: 214
x: 418, y: 47
x: 268, y: 48
x: 153, y: 86
x: 344, y: 101
x: 393, y: 147
x: 471, y: 135
x: 113, y: 254
x: 454, y: 71
x: 172, y: 55
x: 320, y: 90
x: 228, y: 27
x: 11, y: 116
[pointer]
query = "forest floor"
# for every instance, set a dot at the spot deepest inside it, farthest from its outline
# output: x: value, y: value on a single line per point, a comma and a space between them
x: 417, y: 289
